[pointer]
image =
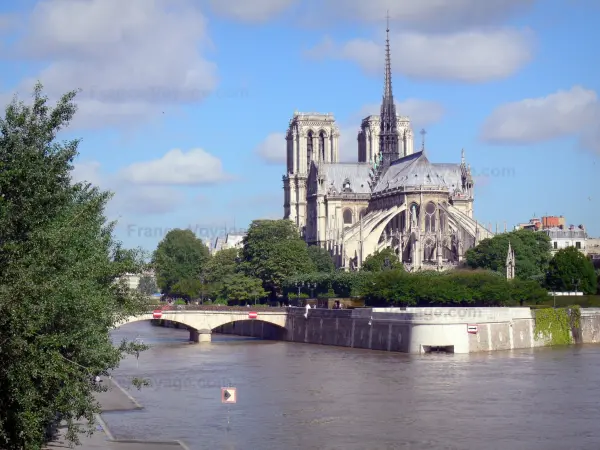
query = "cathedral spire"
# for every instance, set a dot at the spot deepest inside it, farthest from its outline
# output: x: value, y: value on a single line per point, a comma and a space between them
x: 388, y: 96
x: 388, y: 134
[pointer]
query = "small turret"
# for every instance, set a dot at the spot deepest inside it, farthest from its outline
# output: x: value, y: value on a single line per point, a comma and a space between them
x: 466, y: 177
x: 510, y: 263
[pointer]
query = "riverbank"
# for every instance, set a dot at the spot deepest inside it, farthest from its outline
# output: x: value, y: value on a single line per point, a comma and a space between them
x: 116, y: 399
x: 424, y: 330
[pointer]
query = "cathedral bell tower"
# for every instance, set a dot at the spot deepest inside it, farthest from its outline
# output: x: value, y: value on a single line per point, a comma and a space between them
x: 388, y: 133
x: 311, y: 139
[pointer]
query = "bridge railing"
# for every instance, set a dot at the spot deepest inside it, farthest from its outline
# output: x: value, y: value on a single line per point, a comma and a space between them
x: 166, y: 308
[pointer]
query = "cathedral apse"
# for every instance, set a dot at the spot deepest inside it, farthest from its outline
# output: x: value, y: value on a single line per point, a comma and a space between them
x: 392, y: 197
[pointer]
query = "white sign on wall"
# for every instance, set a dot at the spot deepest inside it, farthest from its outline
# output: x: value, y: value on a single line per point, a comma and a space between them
x: 472, y: 329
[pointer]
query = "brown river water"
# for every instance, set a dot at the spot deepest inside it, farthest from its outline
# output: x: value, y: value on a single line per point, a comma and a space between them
x: 302, y: 396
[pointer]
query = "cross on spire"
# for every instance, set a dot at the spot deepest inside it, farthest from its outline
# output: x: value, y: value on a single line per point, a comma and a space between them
x: 423, y: 133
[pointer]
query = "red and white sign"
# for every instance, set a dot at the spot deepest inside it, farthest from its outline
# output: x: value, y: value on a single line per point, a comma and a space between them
x: 157, y: 314
x: 252, y: 315
x: 472, y: 329
x: 229, y: 395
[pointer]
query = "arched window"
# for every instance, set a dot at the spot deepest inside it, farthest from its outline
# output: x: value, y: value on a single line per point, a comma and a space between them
x: 322, y: 146
x: 430, y: 217
x: 347, y: 217
x: 309, y: 149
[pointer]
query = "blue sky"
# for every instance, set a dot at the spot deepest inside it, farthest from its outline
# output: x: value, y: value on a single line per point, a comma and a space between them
x: 184, y: 103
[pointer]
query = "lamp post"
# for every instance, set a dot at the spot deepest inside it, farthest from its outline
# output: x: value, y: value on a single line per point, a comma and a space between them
x: 312, y: 287
x: 299, y: 285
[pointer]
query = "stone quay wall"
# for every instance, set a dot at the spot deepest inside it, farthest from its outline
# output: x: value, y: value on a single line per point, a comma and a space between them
x: 416, y: 330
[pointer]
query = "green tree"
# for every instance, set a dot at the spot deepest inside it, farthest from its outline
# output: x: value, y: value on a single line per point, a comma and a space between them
x: 221, y: 265
x: 273, y: 250
x: 147, y: 285
x: 321, y: 259
x: 532, y: 254
x: 454, y: 288
x: 571, y: 270
x: 178, y: 260
x: 187, y: 288
x: 382, y: 260
x: 59, y: 270
x: 241, y: 288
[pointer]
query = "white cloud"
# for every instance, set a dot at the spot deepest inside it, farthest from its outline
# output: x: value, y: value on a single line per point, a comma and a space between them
x: 195, y: 167
x: 130, y: 59
x: 272, y: 149
x: 423, y: 14
x: 467, y: 56
x: 89, y: 172
x: 255, y: 11
x: 575, y: 112
x: 147, y: 187
x: 421, y: 112
x: 129, y: 199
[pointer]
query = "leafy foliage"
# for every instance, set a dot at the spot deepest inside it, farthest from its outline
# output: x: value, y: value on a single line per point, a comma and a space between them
x: 273, y: 250
x: 221, y: 265
x: 321, y: 259
x: 187, y: 288
x: 59, y: 271
x: 570, y: 270
x: 178, y: 261
x: 382, y: 260
x: 241, y: 288
x: 532, y: 254
x: 456, y: 288
x: 330, y: 284
x: 553, y: 324
x: 147, y: 285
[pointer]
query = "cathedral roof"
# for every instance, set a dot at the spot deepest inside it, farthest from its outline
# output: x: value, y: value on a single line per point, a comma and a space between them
x: 417, y: 170
x: 336, y: 174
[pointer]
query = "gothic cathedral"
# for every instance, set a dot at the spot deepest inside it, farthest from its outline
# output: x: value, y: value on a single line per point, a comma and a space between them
x: 393, y: 197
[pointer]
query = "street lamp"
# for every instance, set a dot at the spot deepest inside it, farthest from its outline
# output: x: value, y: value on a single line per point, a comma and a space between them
x: 299, y: 285
x: 386, y: 263
x: 576, y: 284
x: 312, y: 287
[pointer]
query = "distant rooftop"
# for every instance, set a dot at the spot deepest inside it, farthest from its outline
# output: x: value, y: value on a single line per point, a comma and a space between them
x: 559, y: 233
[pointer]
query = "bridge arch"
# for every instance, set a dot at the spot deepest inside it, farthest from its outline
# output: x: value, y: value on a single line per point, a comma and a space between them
x: 203, y: 323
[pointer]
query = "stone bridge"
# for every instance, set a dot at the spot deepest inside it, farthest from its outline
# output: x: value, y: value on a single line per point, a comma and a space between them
x: 202, y: 323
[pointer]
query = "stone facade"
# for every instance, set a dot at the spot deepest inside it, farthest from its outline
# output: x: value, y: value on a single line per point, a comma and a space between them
x: 392, y: 197
x: 565, y: 238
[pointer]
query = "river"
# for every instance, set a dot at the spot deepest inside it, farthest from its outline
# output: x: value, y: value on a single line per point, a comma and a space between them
x: 301, y: 396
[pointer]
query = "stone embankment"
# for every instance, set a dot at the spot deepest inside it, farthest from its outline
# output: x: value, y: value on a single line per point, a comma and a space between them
x: 424, y: 330
x: 115, y: 399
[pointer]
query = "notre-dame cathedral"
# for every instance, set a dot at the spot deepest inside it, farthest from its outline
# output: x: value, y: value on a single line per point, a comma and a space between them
x: 393, y: 197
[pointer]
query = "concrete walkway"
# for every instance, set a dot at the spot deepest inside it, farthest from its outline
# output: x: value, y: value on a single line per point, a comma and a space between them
x: 115, y: 399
